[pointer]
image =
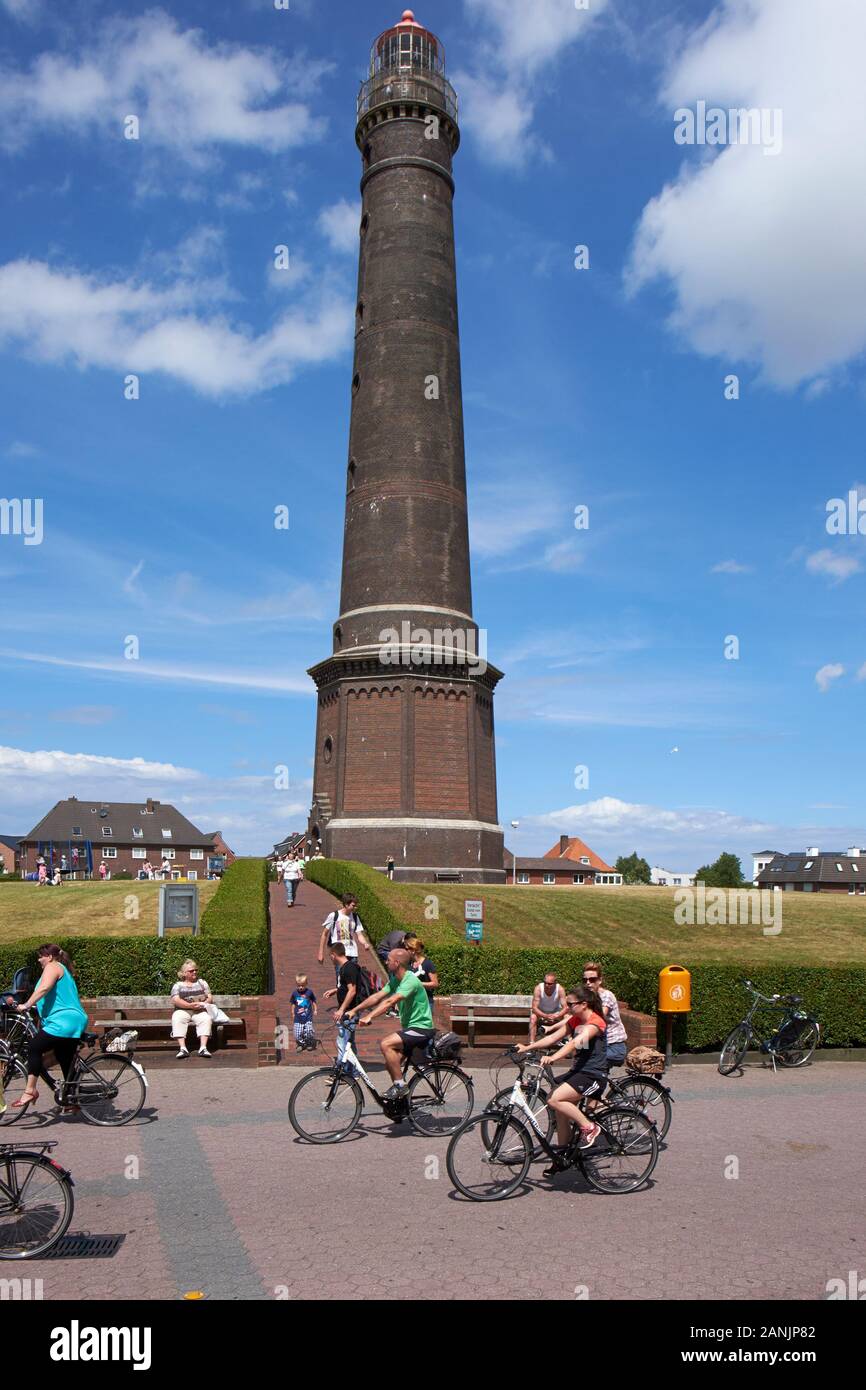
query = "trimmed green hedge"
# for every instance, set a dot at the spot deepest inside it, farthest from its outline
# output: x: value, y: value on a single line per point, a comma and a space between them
x: 233, y: 950
x: 835, y: 994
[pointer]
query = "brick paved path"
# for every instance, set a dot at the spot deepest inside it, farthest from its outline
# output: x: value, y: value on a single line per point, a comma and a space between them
x: 295, y: 933
x: 225, y: 1190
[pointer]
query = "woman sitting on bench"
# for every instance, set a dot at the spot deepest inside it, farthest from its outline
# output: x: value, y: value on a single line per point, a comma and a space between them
x: 192, y: 998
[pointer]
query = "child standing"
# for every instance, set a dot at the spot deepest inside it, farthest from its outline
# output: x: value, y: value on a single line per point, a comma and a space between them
x: 305, y: 1008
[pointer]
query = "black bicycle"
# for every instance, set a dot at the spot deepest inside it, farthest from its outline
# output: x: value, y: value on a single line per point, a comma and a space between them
x: 791, y: 1044
x: 106, y: 1088
x: 490, y: 1156
x: 645, y: 1092
x: 326, y: 1105
x: 36, y: 1200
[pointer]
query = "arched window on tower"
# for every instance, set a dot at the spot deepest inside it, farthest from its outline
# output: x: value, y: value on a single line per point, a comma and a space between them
x: 350, y: 475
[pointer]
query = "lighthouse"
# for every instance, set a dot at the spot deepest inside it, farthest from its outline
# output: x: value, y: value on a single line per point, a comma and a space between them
x: 405, y: 766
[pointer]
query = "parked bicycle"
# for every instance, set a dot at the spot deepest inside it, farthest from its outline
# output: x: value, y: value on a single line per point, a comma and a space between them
x: 326, y: 1105
x: 108, y: 1088
x: 490, y: 1155
x: 645, y: 1092
x: 36, y: 1200
x: 791, y: 1044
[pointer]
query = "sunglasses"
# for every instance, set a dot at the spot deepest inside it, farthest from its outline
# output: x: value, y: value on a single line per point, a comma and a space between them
x: 590, y: 979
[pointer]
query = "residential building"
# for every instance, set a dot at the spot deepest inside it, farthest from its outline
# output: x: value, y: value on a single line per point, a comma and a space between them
x: 817, y: 871
x: 9, y: 853
x: 760, y: 859
x: 670, y: 878
x: 569, y: 864
x: 78, y: 836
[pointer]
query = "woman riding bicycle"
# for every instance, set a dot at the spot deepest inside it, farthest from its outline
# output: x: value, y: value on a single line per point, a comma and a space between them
x: 61, y: 1016
x: 582, y: 1032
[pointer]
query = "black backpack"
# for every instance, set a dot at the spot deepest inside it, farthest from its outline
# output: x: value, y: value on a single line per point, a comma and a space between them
x: 364, y: 987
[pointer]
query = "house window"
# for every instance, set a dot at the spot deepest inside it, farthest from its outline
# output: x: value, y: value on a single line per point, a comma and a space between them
x: 809, y: 862
x: 145, y: 812
x: 577, y: 878
x: 196, y: 854
x: 548, y: 878
x: 76, y: 829
x: 192, y: 873
x: 584, y: 859
x: 523, y: 878
x: 107, y: 830
x: 168, y: 853
x: 861, y: 889
x: 110, y: 852
x: 839, y: 867
x: 166, y: 834
x: 137, y: 832
x: 852, y: 889
x: 139, y: 854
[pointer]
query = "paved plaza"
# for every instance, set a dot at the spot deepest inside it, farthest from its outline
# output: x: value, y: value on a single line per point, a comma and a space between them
x: 228, y: 1202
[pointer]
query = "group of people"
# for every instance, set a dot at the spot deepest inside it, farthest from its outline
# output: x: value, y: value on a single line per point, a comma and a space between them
x: 358, y: 980
x: 585, y: 1027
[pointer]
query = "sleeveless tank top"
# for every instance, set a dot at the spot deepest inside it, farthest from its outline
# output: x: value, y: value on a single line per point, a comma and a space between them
x: 548, y: 1003
x: 60, y: 1009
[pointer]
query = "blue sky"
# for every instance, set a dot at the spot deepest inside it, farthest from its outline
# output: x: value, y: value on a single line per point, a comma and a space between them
x: 603, y: 387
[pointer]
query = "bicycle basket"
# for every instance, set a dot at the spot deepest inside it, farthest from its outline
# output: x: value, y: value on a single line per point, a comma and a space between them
x: 119, y: 1040
x: 645, y: 1061
x: 446, y: 1047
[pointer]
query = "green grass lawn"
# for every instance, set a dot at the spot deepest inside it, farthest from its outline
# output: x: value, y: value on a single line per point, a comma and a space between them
x: 28, y: 912
x: 816, y: 928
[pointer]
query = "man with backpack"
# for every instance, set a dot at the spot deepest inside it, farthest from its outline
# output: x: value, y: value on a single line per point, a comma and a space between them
x: 345, y: 926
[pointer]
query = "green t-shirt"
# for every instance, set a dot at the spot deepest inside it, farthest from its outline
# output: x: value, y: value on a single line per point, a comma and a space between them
x: 412, y: 1001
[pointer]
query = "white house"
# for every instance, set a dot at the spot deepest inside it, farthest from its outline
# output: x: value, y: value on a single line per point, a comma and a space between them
x: 669, y: 878
x: 760, y: 859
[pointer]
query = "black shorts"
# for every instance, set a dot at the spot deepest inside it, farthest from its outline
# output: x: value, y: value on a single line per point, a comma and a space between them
x: 591, y: 1087
x: 411, y: 1038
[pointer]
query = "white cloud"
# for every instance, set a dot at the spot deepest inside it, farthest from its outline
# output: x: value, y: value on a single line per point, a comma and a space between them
x: 189, y: 95
x: 836, y: 565
x: 730, y: 567
x: 497, y: 103
x: 169, y: 672
x: 56, y: 315
x: 20, y: 449
x: 339, y: 223
x: 827, y: 674
x: 745, y: 288
x: 28, y: 10
x: 249, y: 810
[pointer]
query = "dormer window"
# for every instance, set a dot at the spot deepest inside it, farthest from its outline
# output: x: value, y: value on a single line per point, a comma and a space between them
x: 584, y: 859
x: 808, y: 864
x: 107, y: 830
x: 839, y: 866
x: 76, y: 829
x: 137, y: 832
x: 166, y: 834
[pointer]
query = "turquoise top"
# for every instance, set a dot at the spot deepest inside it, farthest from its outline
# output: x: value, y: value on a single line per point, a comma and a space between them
x: 60, y: 1009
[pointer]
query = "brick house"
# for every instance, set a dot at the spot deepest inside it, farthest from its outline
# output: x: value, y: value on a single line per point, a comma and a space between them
x: 9, y: 853
x: 570, y: 863
x: 817, y: 871
x: 78, y: 836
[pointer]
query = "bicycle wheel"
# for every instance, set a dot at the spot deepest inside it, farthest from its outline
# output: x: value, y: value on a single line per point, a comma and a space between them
x: 650, y: 1097
x: 734, y: 1048
x: 625, y: 1153
x: 109, y: 1089
x: 799, y: 1052
x: 14, y: 1083
x: 36, y: 1205
x: 325, y: 1106
x: 440, y: 1099
x: 544, y: 1116
x: 489, y: 1157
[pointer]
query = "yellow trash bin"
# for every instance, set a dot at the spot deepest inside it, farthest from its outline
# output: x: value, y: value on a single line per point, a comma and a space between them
x: 675, y: 990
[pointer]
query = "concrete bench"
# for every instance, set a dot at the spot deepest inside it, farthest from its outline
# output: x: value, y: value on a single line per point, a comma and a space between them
x: 132, y: 1009
x: 473, y: 1009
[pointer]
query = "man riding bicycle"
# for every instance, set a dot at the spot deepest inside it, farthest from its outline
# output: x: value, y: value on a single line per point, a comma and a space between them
x: 410, y: 996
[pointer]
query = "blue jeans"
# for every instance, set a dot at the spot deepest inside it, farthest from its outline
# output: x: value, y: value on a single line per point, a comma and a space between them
x: 616, y: 1054
x: 291, y: 890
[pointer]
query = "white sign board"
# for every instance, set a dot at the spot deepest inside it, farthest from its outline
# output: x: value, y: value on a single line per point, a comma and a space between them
x: 473, y: 909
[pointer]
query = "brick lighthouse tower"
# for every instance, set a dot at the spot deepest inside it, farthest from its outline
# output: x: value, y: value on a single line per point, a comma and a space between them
x: 405, y: 764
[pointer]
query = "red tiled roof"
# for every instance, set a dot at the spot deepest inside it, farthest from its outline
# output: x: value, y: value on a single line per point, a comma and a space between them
x: 574, y: 850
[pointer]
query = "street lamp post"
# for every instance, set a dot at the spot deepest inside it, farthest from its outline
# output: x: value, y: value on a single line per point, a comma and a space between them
x: 514, y: 825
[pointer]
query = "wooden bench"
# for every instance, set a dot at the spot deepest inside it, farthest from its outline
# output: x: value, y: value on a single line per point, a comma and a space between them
x: 125, y: 1009
x: 473, y: 1009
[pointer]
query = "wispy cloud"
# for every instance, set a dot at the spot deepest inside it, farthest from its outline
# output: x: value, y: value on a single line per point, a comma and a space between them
x: 731, y: 567
x: 827, y: 674
x: 339, y: 223
x: 835, y: 564
x: 169, y: 672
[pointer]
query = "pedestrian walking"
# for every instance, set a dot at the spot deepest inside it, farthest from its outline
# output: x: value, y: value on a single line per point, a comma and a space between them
x: 293, y: 872
x: 304, y: 1011
x: 344, y: 925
